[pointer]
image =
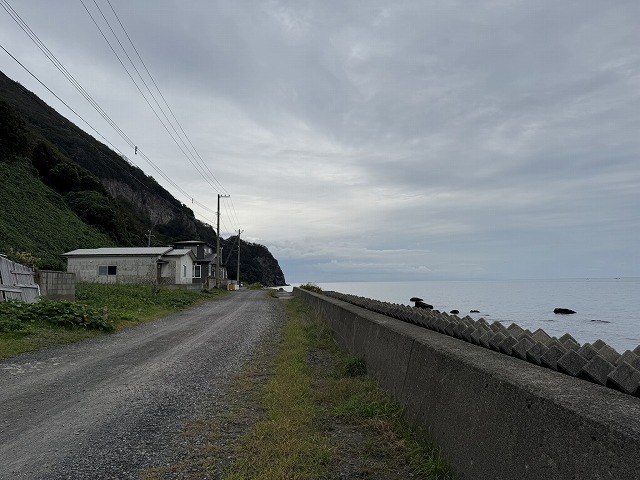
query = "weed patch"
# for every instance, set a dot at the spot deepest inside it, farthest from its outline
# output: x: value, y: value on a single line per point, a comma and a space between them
x: 326, y: 418
x: 99, y: 308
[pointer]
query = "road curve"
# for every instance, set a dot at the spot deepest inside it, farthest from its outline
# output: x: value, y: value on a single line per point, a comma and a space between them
x: 111, y: 406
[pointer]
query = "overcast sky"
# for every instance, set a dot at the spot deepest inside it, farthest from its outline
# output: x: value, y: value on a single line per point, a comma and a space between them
x: 375, y: 140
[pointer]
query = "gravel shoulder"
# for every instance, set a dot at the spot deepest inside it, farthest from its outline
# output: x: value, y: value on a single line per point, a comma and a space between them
x: 113, y: 407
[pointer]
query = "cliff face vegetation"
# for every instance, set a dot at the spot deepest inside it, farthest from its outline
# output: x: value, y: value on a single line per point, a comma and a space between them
x: 61, y: 189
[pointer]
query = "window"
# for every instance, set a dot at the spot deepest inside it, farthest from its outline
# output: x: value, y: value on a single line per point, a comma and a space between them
x: 196, y: 271
x: 184, y: 270
x: 104, y: 270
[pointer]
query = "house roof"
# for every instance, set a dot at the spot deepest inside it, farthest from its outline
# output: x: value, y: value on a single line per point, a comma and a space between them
x: 193, y: 242
x: 178, y: 252
x: 137, y: 251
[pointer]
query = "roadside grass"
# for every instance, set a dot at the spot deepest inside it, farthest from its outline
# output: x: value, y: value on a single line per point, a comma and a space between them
x: 317, y: 390
x: 124, y: 306
x: 286, y: 443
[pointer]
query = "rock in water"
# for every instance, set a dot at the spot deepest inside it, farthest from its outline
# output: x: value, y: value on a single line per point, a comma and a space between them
x: 426, y: 306
x: 563, y: 311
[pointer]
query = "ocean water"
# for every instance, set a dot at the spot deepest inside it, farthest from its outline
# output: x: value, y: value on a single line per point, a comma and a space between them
x: 607, y: 309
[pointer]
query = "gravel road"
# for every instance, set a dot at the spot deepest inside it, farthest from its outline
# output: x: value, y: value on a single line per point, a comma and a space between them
x: 110, y: 407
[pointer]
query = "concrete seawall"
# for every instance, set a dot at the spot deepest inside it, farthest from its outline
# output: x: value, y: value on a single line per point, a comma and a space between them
x: 493, y: 416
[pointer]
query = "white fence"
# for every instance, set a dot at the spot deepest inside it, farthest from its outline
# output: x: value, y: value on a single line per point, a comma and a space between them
x: 17, y: 282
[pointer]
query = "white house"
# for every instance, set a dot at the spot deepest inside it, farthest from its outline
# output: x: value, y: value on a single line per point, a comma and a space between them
x: 162, y: 265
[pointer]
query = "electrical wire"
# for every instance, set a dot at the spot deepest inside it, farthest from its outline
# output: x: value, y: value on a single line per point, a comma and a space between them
x: 33, y: 36
x: 200, y: 166
x: 92, y: 128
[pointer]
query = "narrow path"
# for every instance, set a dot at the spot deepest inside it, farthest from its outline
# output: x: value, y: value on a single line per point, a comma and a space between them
x: 111, y: 407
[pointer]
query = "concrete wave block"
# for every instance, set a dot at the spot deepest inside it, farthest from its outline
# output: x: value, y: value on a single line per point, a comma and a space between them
x: 495, y: 340
x: 477, y: 334
x: 569, y: 342
x: 534, y: 354
x: 416, y: 319
x: 484, y: 338
x: 422, y: 322
x: 506, y: 346
x: 625, y: 378
x: 550, y: 358
x: 567, y: 337
x: 609, y: 354
x: 449, y: 329
x: 631, y: 358
x: 433, y: 321
x: 440, y: 325
x: 497, y: 326
x: 571, y: 363
x: 427, y: 322
x: 515, y: 330
x: 587, y: 351
x: 597, y: 370
x: 553, y: 341
x: 486, y: 324
x: 598, y: 344
x: 467, y: 334
x: 459, y: 329
x: 541, y: 336
x: 519, y: 350
x: 637, y: 350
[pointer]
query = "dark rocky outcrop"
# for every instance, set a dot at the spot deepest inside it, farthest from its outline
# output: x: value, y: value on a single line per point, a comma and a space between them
x: 563, y: 311
x: 426, y: 306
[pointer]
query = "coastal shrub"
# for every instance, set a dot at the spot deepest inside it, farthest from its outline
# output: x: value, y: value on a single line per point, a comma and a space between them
x: 311, y: 287
x: 16, y: 315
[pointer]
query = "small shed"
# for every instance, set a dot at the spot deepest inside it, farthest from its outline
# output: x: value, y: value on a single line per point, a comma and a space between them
x: 162, y: 265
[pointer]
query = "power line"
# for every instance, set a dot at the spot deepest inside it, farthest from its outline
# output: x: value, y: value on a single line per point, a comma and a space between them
x: 164, y: 99
x: 96, y: 131
x: 200, y: 166
x: 60, y: 119
x: 44, y: 49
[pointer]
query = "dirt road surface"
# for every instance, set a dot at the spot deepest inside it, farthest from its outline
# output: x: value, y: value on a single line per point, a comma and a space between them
x: 110, y: 407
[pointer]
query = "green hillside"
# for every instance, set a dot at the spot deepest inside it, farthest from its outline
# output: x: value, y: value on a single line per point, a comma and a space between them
x: 35, y: 219
x: 61, y: 189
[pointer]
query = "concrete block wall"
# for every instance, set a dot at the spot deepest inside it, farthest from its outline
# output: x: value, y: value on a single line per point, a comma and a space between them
x: 57, y: 285
x: 598, y: 363
x: 493, y: 415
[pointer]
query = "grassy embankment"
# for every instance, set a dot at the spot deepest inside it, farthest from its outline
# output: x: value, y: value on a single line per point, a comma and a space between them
x: 303, y: 409
x: 98, y: 309
x: 317, y: 390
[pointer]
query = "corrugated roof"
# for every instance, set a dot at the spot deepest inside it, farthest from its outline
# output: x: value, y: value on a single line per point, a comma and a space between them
x: 118, y: 251
x: 178, y: 252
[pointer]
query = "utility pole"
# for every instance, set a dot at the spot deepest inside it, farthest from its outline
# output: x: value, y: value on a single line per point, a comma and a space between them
x: 238, y: 271
x: 218, y: 243
x: 149, y: 235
